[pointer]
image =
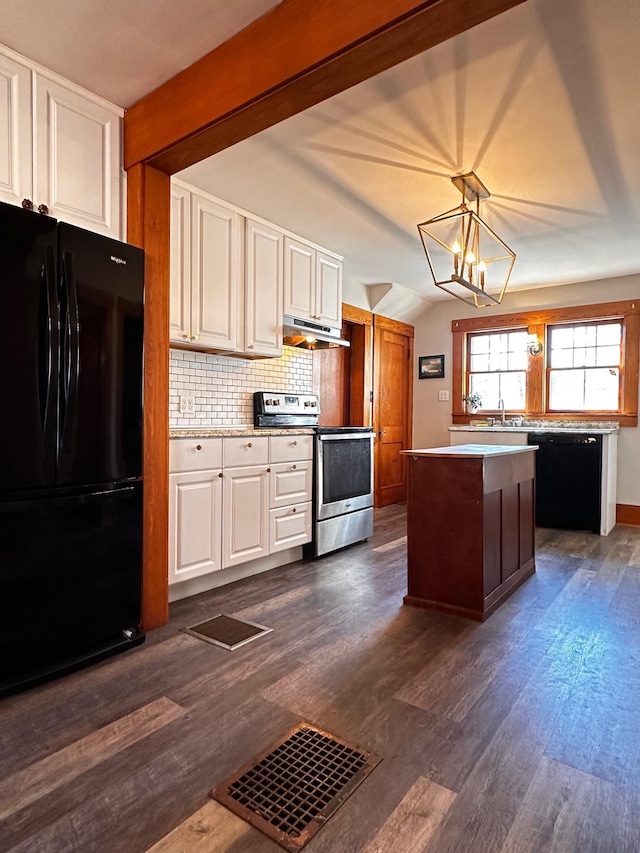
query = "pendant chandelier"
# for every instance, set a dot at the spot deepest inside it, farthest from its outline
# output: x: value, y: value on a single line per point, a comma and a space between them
x: 466, y: 257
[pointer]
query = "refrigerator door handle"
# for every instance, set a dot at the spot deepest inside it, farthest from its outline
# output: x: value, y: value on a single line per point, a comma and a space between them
x: 71, y: 367
x: 49, y: 362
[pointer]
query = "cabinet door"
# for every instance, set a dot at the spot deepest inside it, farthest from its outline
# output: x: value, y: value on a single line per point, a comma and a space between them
x: 263, y: 290
x: 289, y: 526
x: 245, y: 514
x: 299, y: 279
x: 195, y: 523
x: 328, y: 290
x: 180, y: 275
x: 77, y: 158
x: 216, y: 274
x: 15, y: 131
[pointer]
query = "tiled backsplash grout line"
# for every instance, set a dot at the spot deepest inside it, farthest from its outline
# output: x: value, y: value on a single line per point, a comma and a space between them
x: 223, y: 387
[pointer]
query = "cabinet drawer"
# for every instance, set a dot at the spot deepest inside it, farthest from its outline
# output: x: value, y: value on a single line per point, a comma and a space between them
x: 289, y: 526
x: 290, y: 483
x: 245, y: 450
x: 290, y: 448
x: 194, y: 454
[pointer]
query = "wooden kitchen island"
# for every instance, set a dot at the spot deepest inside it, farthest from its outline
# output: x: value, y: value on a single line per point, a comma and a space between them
x: 470, y: 526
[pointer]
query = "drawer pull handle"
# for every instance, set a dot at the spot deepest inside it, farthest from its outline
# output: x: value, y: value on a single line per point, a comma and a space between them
x: 198, y: 447
x: 294, y: 510
x: 294, y: 467
x: 220, y: 474
x: 268, y: 470
x: 293, y: 443
x: 249, y: 444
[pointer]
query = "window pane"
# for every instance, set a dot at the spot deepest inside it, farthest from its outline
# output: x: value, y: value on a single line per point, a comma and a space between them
x: 577, y: 390
x: 480, y: 343
x: 566, y: 390
x: 518, y: 360
x: 562, y: 337
x: 579, y: 357
x: 609, y: 334
x: 479, y: 362
x: 486, y: 384
x: 512, y: 388
x: 601, y: 389
x: 608, y: 356
x: 561, y: 358
x: 579, y: 336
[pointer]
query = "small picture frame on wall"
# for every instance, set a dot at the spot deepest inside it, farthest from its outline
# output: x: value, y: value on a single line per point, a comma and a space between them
x: 430, y: 366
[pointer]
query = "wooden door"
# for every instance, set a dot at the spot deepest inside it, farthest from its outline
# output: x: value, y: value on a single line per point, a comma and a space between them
x: 393, y: 407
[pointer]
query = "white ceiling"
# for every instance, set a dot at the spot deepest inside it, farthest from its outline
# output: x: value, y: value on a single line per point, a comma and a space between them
x: 539, y: 101
x: 122, y: 49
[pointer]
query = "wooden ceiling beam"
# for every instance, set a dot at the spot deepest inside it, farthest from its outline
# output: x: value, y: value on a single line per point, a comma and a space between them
x: 295, y: 56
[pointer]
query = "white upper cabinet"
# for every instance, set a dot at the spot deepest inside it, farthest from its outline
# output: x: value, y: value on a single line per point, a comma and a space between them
x: 77, y: 158
x: 60, y: 146
x: 180, y: 258
x: 312, y: 283
x: 233, y: 276
x: 16, y: 131
x: 299, y: 279
x: 263, y: 290
x: 216, y: 269
x: 328, y: 289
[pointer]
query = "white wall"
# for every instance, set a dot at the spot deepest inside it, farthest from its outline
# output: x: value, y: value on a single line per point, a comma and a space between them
x: 431, y: 418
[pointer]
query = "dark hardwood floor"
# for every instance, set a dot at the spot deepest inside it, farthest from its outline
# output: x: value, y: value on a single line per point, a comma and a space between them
x: 519, y: 735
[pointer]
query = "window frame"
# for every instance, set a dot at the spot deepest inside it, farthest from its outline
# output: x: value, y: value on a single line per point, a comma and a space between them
x: 597, y: 322
x: 468, y: 371
x: 536, y: 322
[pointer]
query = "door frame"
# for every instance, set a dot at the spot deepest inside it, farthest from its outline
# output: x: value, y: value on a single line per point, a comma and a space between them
x: 271, y: 70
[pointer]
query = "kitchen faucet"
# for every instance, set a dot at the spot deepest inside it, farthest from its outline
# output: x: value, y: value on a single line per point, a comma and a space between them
x: 502, y: 415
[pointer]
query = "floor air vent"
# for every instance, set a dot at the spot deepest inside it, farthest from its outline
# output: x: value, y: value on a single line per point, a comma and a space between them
x: 293, y: 788
x: 227, y: 632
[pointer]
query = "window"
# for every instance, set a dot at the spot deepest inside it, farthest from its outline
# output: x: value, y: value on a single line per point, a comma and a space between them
x: 497, y: 368
x: 589, y: 364
x: 584, y: 366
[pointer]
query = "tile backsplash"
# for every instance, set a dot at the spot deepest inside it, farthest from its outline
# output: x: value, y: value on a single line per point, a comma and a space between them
x: 223, y: 387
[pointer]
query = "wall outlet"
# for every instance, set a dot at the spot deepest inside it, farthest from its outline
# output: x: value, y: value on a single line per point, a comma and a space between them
x: 186, y: 404
x: 443, y: 396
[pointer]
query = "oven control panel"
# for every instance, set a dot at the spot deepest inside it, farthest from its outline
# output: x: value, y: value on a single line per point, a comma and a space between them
x: 281, y: 403
x: 283, y: 409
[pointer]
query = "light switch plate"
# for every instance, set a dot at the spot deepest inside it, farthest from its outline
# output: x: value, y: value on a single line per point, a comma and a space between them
x: 443, y: 396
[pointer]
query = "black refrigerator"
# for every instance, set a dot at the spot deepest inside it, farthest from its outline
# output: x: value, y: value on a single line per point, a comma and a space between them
x: 71, y: 349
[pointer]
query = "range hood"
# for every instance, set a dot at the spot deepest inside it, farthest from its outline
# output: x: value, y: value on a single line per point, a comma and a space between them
x: 308, y: 335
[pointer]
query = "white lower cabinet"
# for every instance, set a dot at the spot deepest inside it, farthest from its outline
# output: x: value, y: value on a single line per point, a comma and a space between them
x: 195, y: 515
x: 236, y: 499
x: 245, y: 508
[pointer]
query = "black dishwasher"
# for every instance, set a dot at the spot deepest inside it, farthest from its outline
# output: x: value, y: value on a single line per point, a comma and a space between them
x: 568, y: 478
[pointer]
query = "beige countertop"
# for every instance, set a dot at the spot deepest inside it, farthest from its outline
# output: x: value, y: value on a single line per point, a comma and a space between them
x: 215, y: 432
x: 464, y: 451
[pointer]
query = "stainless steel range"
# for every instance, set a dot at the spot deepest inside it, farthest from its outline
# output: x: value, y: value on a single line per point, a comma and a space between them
x: 343, y: 469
